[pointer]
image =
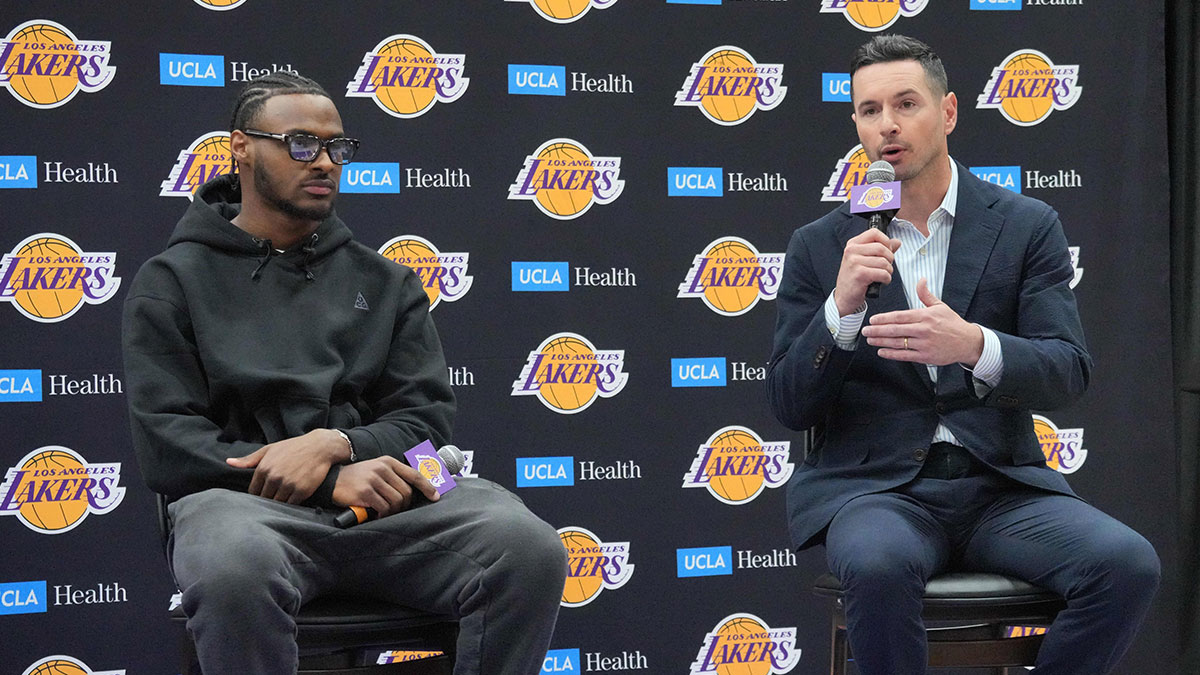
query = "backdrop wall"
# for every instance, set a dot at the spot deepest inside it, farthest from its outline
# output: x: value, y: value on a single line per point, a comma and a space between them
x: 605, y: 183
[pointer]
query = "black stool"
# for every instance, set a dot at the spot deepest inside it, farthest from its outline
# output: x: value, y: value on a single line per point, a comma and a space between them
x: 975, y: 610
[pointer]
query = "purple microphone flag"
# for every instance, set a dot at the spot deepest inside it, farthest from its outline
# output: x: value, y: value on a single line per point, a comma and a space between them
x: 871, y: 197
x: 425, y: 460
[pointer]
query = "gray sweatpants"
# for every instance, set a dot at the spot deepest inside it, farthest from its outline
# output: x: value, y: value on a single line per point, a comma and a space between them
x: 246, y: 564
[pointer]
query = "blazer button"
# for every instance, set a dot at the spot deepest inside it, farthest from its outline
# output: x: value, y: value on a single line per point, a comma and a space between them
x: 820, y: 357
x: 940, y: 408
x: 919, y: 454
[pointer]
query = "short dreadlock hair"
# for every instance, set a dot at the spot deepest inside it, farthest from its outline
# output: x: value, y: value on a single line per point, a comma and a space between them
x: 257, y: 91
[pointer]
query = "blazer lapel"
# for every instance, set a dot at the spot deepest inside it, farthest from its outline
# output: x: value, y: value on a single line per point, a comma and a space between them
x: 976, y: 227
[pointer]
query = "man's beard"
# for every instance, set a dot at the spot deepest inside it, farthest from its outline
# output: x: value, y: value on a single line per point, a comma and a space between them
x: 266, y: 188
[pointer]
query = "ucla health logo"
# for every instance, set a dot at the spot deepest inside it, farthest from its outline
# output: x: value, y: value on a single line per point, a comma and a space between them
x: 206, y: 158
x: 44, y: 65
x: 444, y: 275
x: 537, y: 80
x: 1008, y: 177
x: 874, y: 15
x: 728, y: 85
x: 735, y: 465
x: 1027, y: 87
x: 191, y: 70
x: 545, y: 471
x: 694, y: 181
x: 220, y: 5
x: 48, y: 277
x: 745, y: 643
x: 20, y: 386
x: 563, y: 179
x: 18, y: 171
x: 565, y: 11
x: 371, y: 177
x: 1063, y: 447
x: 703, y: 562
x: 53, y: 489
x: 540, y: 276
x: 592, y: 566
x: 850, y: 171
x: 567, y: 373
x: 731, y: 276
x: 835, y: 87
x: 406, y: 77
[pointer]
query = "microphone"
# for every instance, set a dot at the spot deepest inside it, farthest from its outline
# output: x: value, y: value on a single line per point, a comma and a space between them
x: 452, y: 461
x: 878, y: 199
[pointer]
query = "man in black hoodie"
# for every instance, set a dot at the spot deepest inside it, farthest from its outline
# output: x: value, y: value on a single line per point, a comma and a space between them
x: 277, y: 371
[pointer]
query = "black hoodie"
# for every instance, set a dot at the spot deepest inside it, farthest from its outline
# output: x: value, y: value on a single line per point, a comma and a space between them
x: 230, y: 345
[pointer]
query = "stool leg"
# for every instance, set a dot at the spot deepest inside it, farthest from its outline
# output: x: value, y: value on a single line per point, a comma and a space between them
x: 838, y: 651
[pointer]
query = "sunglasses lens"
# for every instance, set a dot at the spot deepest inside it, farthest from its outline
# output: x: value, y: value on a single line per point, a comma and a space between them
x: 341, y: 150
x: 304, y: 148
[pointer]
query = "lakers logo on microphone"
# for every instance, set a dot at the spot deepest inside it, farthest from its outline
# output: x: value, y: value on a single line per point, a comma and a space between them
x: 1026, y: 87
x: 593, y: 566
x: 735, y: 465
x: 744, y: 644
x: 43, y: 64
x: 406, y: 77
x: 728, y: 86
x: 731, y: 276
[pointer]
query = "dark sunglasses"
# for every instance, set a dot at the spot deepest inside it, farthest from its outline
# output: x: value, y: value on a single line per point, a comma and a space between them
x: 306, y: 147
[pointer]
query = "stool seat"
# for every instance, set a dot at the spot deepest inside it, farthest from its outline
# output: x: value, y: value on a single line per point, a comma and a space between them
x: 989, y: 603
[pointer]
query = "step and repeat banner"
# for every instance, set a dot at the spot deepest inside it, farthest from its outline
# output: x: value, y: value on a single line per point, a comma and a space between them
x: 597, y: 195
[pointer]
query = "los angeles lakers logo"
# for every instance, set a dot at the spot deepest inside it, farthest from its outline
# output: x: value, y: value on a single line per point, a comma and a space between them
x: 444, y: 275
x: 743, y: 644
x: 61, y: 664
x: 565, y: 11
x: 563, y: 179
x: 728, y: 86
x: 874, y: 15
x: 406, y: 77
x: 44, y: 65
x: 1027, y: 87
x: 206, y: 158
x: 735, y: 465
x: 1063, y: 447
x: 53, y: 489
x: 850, y: 171
x: 567, y: 373
x: 592, y: 566
x: 731, y: 276
x: 47, y: 277
x: 873, y: 197
x: 220, y: 5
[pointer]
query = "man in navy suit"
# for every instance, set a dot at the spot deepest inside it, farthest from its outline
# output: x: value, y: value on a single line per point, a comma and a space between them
x: 925, y: 456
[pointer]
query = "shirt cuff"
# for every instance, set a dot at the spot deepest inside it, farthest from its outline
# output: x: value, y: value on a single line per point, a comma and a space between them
x: 990, y: 367
x: 844, y: 329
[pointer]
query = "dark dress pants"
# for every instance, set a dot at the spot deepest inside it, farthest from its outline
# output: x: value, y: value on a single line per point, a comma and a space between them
x: 884, y: 547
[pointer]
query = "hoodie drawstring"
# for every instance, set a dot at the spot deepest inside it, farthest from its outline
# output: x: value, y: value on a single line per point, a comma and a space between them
x: 308, y: 250
x: 269, y: 250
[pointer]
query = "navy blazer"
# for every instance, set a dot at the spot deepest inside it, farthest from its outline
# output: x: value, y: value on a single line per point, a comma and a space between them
x: 1008, y: 269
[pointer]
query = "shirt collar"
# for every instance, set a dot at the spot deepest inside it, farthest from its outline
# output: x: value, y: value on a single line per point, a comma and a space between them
x: 950, y: 201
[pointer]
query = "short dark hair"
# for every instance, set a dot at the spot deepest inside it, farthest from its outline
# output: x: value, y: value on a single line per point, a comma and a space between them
x: 257, y: 91
x: 888, y: 48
